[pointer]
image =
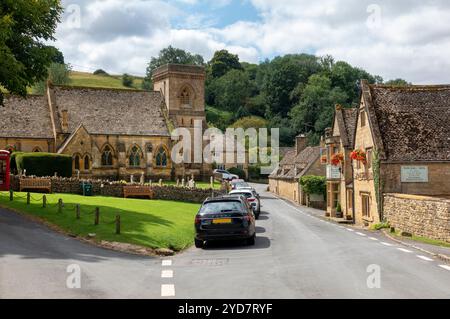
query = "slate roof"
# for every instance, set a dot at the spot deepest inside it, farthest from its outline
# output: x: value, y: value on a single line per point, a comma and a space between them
x: 301, y: 161
x: 411, y: 123
x: 350, y: 117
x: 25, y: 117
x: 111, y: 111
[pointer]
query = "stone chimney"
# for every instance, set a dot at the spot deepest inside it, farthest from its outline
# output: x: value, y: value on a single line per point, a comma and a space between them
x: 301, y: 142
x: 65, y: 121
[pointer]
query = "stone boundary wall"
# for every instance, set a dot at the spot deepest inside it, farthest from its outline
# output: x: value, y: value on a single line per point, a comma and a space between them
x: 419, y: 215
x: 115, y: 189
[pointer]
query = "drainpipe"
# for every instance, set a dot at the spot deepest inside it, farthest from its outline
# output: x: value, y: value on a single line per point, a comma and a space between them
x: 353, y: 195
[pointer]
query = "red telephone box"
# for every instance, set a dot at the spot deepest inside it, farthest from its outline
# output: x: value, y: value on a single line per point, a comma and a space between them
x: 4, y: 170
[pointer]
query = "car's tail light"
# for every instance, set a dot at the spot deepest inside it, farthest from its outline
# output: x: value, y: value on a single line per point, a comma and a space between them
x: 248, y: 217
x: 197, y: 220
x: 250, y: 199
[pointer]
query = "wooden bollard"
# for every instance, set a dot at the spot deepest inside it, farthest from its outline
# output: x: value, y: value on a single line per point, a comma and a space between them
x: 44, y: 201
x: 11, y: 195
x: 77, y: 210
x: 60, y: 205
x: 118, y: 224
x: 97, y: 216
x: 160, y: 182
x: 28, y: 198
x: 211, y: 181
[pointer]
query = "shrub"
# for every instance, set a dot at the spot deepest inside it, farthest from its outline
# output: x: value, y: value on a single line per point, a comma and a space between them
x: 100, y: 72
x: 127, y: 80
x: 44, y: 164
x: 380, y: 226
x: 312, y: 184
x: 237, y: 171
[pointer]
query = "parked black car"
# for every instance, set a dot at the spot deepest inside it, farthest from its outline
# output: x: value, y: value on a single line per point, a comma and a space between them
x: 224, y: 218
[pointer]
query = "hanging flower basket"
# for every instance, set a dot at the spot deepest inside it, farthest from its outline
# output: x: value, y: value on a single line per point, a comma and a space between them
x: 337, y: 159
x: 323, y: 159
x: 358, y: 155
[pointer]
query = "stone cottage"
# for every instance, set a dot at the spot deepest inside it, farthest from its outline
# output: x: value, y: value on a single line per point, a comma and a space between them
x: 339, y: 144
x: 299, y: 161
x: 402, y: 147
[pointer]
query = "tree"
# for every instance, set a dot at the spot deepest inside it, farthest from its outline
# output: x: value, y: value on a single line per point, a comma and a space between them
x: 24, y: 27
x: 100, y: 72
x: 127, y: 80
x: 222, y: 62
x: 173, y: 55
x: 146, y: 85
x: 58, y: 56
x: 250, y: 122
x: 316, y: 107
x: 282, y: 76
x: 57, y: 74
x: 232, y: 90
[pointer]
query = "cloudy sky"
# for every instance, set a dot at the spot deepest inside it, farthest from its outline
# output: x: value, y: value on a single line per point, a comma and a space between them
x: 392, y: 38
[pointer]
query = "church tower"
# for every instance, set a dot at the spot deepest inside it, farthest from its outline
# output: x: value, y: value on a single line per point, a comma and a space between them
x: 183, y: 88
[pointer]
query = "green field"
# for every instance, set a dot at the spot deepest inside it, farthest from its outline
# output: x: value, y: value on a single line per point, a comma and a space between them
x: 150, y: 223
x: 103, y: 81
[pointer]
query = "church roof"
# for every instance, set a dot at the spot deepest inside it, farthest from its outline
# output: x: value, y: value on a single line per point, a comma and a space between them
x: 410, y: 123
x: 111, y: 111
x: 25, y: 117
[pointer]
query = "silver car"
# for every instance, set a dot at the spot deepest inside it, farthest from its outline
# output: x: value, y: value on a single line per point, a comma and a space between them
x: 252, y: 199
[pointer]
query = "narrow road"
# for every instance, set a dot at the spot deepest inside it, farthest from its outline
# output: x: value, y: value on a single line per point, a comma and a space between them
x: 297, y: 255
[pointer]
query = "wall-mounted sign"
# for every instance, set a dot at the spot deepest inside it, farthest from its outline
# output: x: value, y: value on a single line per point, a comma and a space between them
x: 333, y: 172
x: 414, y: 174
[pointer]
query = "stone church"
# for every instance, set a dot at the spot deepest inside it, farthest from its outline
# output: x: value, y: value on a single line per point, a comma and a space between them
x: 111, y: 133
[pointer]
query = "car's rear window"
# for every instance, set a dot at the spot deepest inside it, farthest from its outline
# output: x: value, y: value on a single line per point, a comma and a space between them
x: 247, y: 195
x: 220, y: 207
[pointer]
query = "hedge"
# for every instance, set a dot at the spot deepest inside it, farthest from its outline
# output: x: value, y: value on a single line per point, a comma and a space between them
x: 312, y: 184
x: 44, y: 164
x: 237, y: 171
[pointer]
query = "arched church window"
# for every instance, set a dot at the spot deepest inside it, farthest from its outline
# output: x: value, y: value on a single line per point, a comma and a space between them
x: 135, y: 156
x: 107, y: 159
x: 76, y: 162
x: 161, y: 157
x: 185, y: 97
x: 87, y: 163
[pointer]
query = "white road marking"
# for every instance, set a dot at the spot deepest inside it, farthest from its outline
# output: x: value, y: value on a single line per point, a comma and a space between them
x: 360, y: 234
x: 386, y: 244
x: 167, y: 274
x: 424, y: 258
x: 404, y: 250
x: 445, y: 267
x: 373, y: 238
x: 167, y: 262
x: 349, y: 229
x: 167, y: 290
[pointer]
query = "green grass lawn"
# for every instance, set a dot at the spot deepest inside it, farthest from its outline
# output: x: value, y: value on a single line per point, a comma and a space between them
x: 151, y: 223
x: 424, y: 240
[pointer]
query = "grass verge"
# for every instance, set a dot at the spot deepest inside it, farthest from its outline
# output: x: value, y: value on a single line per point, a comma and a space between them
x: 150, y: 223
x: 424, y: 240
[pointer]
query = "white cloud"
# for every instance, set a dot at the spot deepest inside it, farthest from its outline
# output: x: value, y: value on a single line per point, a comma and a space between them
x: 411, y: 42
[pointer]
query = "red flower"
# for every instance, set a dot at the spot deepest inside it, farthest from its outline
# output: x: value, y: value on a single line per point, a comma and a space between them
x: 337, y: 159
x: 358, y: 155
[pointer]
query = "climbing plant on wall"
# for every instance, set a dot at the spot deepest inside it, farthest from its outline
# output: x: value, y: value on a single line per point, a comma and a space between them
x: 377, y: 181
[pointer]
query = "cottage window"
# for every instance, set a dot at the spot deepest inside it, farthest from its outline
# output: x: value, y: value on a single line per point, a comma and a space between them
x: 363, y: 118
x: 87, y: 163
x: 161, y: 157
x: 365, y: 205
x: 107, y: 157
x: 76, y: 162
x: 135, y: 156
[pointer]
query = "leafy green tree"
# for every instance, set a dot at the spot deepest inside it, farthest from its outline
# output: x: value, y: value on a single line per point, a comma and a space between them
x: 315, y: 110
x: 147, y: 85
x: 250, y: 122
x: 58, y: 56
x: 232, y: 90
x: 173, y: 55
x: 222, y: 62
x: 127, y: 80
x: 100, y: 72
x: 282, y: 77
x: 24, y: 27
x: 58, y: 74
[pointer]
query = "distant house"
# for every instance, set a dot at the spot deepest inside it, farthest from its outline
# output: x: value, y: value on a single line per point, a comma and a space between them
x: 299, y: 161
x: 339, y: 142
x: 402, y: 146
